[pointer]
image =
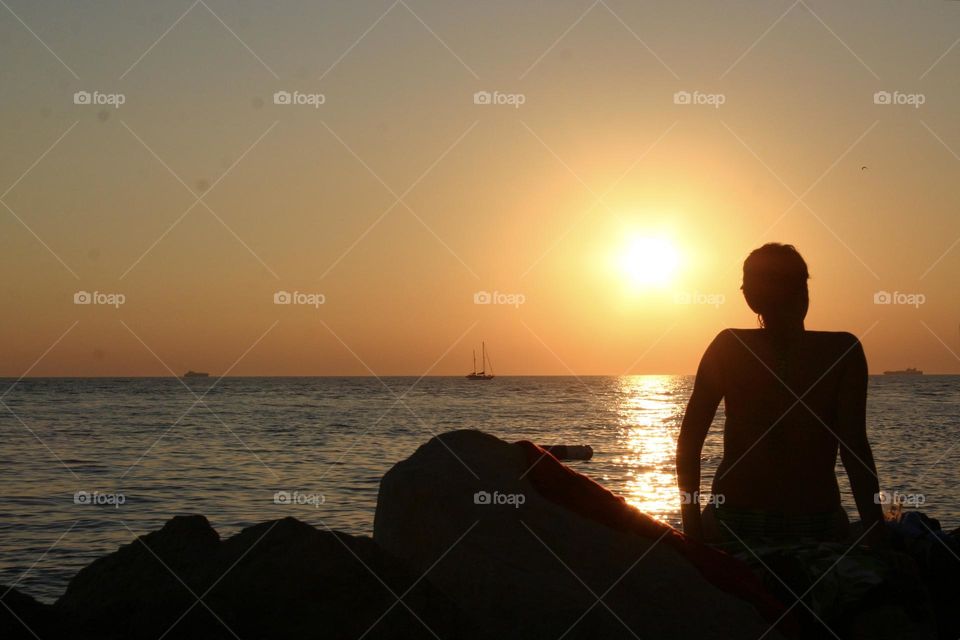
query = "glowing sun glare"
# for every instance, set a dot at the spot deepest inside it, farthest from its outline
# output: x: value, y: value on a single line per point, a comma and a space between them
x: 647, y: 261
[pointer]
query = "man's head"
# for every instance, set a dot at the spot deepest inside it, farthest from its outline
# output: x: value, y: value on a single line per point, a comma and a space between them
x: 775, y: 284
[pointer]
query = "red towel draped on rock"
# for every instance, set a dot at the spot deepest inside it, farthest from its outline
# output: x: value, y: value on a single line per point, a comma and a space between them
x: 563, y: 486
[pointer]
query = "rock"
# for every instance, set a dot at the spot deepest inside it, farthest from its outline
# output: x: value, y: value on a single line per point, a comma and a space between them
x: 278, y: 579
x: 887, y: 621
x: 302, y: 580
x: 144, y: 587
x: 21, y: 616
x: 460, y: 511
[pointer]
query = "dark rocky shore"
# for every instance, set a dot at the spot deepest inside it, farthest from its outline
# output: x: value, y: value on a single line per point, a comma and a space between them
x: 441, y: 564
x: 279, y: 579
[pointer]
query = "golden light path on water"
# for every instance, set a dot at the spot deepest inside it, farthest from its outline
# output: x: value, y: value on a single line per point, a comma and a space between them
x: 650, y: 418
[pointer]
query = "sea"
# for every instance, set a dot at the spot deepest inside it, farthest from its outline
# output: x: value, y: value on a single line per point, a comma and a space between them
x: 86, y: 465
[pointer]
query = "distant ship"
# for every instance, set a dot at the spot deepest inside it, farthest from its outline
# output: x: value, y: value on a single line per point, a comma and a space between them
x: 196, y: 374
x: 910, y: 371
x: 482, y: 374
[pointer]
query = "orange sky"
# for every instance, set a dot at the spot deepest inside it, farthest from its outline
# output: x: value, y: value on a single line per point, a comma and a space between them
x: 399, y: 198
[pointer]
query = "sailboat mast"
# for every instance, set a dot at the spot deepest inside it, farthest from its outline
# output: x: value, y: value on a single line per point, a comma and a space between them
x: 474, y: 360
x: 483, y: 362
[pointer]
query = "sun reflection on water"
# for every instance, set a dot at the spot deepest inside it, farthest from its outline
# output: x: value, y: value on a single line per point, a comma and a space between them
x: 649, y: 414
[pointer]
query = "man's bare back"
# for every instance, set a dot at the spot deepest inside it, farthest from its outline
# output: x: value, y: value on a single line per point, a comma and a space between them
x: 781, y: 404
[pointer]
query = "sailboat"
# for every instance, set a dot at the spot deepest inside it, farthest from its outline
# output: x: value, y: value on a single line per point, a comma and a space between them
x: 482, y: 374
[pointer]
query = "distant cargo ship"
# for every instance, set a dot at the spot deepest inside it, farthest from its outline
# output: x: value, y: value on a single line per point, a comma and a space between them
x: 196, y: 374
x: 910, y: 371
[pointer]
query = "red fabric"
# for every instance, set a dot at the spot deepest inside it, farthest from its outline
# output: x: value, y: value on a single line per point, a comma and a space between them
x: 563, y: 486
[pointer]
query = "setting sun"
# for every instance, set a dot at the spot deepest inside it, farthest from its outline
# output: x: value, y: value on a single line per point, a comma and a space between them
x: 647, y: 261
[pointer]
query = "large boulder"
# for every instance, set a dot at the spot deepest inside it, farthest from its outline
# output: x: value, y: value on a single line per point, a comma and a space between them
x: 462, y: 512
x: 278, y: 579
x: 145, y: 587
x: 22, y: 616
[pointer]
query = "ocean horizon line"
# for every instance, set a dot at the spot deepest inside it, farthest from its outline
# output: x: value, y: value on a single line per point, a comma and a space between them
x: 400, y: 375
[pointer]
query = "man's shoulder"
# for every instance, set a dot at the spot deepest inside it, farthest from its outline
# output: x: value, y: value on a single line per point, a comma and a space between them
x: 733, y: 334
x: 841, y: 341
x: 840, y: 338
x: 825, y: 336
x: 735, y: 330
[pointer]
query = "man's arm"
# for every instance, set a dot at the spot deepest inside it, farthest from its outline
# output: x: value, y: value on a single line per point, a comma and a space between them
x: 706, y: 396
x: 854, y: 448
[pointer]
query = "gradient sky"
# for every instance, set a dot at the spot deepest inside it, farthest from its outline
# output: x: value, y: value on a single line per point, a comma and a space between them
x: 537, y: 200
